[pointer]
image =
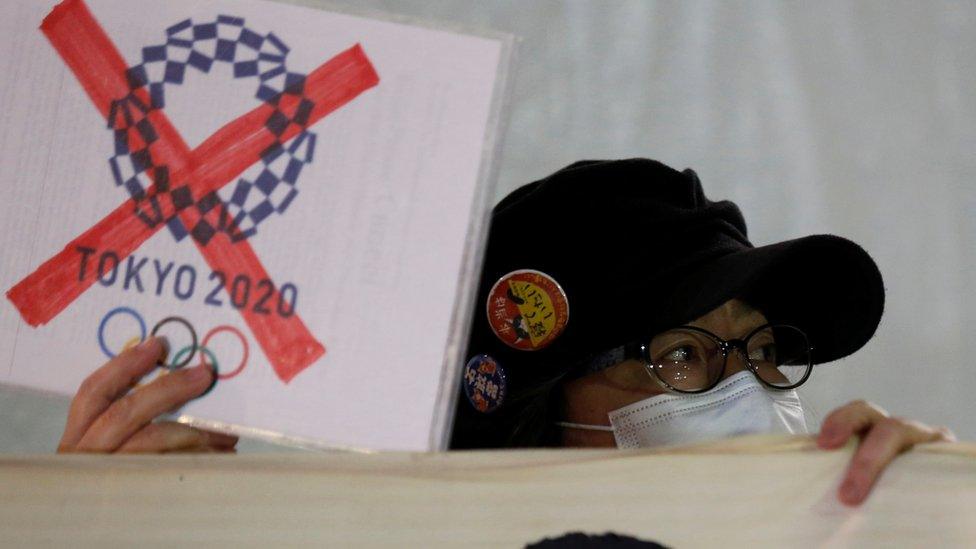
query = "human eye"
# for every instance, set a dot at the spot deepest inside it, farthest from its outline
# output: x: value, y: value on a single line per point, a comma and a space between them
x: 764, y: 352
x: 680, y: 347
x: 680, y: 354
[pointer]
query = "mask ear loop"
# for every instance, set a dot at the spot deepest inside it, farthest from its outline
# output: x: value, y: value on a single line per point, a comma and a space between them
x: 612, y: 357
x: 812, y: 416
x: 609, y: 358
x: 585, y: 427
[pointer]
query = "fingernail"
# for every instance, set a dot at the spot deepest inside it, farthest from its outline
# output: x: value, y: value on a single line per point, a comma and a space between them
x: 147, y: 343
x: 157, y: 344
x: 832, y: 437
x: 825, y: 441
x: 850, y: 492
x: 199, y: 373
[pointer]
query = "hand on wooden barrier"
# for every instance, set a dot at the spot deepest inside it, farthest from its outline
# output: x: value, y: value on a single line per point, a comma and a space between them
x: 882, y: 438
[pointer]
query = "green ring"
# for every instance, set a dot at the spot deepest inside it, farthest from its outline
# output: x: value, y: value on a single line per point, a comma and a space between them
x: 179, y: 354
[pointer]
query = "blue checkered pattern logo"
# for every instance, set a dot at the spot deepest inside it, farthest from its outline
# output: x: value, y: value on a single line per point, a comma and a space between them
x: 237, y: 209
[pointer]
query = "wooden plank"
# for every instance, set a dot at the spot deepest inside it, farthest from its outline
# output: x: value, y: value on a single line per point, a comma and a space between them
x: 758, y: 491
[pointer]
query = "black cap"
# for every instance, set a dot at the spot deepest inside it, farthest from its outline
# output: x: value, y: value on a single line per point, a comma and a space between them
x: 638, y: 248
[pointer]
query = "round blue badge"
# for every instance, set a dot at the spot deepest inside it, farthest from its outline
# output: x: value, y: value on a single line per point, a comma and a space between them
x: 484, y: 383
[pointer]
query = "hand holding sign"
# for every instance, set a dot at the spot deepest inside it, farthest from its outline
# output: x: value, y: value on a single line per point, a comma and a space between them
x: 206, y: 113
x: 108, y: 416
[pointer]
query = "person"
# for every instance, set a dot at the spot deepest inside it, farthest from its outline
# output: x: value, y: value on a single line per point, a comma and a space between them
x: 653, y: 320
x: 644, y: 316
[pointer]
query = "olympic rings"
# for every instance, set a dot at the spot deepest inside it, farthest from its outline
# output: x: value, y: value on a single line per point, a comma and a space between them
x: 185, y: 355
x: 235, y: 331
x: 105, y: 319
x: 176, y: 365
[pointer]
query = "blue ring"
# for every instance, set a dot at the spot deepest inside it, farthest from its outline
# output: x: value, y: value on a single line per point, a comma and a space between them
x: 110, y: 314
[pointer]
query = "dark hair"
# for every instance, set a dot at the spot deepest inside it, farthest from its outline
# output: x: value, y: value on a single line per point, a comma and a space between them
x: 529, y: 418
x: 540, y: 408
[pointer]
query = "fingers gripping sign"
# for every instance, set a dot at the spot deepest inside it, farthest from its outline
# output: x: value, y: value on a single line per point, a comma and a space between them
x: 882, y: 439
x: 106, y: 415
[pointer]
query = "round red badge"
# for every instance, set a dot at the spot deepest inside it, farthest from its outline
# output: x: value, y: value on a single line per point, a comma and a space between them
x: 527, y: 309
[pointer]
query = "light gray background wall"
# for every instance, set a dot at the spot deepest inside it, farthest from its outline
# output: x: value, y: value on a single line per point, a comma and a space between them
x: 853, y: 118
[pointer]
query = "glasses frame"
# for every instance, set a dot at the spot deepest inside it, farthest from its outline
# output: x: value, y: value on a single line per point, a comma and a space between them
x: 726, y: 346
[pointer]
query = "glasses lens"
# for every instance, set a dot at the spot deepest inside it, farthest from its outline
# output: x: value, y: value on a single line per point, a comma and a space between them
x: 685, y: 360
x: 780, y: 355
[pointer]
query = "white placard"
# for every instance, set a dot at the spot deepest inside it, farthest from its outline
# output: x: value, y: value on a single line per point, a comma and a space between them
x: 366, y: 220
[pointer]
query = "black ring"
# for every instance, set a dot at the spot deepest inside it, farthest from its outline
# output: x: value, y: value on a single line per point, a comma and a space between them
x: 193, y: 335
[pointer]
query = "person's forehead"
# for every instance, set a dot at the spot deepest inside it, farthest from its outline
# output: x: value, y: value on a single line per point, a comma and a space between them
x: 735, y: 310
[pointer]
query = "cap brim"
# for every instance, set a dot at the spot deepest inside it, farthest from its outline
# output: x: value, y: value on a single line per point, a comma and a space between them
x: 826, y: 285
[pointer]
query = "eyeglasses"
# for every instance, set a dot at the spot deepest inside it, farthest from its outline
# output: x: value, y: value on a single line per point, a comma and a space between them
x: 689, y: 359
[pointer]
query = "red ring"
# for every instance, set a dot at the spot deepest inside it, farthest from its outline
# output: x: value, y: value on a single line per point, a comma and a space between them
x: 235, y: 331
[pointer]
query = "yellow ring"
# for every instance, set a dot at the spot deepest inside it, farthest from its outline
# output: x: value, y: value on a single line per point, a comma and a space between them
x: 131, y: 343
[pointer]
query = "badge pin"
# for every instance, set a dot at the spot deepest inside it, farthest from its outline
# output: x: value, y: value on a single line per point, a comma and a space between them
x: 527, y: 309
x: 485, y: 383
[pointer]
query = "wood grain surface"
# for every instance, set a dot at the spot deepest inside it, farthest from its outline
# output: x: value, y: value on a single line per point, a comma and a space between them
x: 755, y: 491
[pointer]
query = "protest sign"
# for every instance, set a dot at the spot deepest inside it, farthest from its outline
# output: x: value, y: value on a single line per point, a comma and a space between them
x: 293, y: 196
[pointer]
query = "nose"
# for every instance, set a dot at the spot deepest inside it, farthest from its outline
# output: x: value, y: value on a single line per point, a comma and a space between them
x: 736, y: 361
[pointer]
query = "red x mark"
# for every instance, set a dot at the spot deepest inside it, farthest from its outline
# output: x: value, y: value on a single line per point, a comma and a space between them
x: 101, y: 70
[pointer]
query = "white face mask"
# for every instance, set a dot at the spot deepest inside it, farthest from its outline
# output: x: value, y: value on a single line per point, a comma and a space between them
x: 739, y: 405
